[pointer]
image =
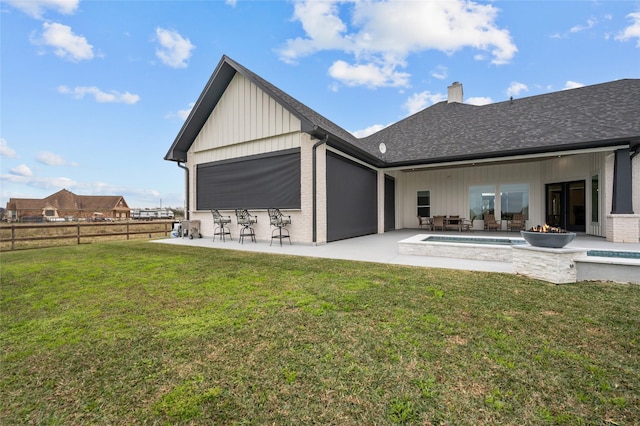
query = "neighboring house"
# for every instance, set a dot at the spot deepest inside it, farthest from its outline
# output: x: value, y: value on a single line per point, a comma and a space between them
x: 65, y: 204
x: 566, y: 158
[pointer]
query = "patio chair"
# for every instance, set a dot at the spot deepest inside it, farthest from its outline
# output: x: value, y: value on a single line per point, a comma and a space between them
x: 467, y: 225
x: 438, y: 222
x: 517, y: 223
x: 425, y: 221
x: 221, y: 223
x: 490, y: 223
x: 246, y: 220
x: 280, y: 222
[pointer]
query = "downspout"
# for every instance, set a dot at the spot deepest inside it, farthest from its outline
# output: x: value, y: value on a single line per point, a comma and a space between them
x: 186, y: 169
x: 315, y: 216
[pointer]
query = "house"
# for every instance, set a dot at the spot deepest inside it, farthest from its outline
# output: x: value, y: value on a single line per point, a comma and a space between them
x: 65, y: 204
x: 567, y: 158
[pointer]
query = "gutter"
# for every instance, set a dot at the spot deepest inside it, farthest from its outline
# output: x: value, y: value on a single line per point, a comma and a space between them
x: 315, y: 216
x: 186, y: 169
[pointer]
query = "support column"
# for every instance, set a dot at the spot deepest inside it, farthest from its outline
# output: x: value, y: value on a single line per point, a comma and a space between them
x: 622, y: 183
x: 623, y: 226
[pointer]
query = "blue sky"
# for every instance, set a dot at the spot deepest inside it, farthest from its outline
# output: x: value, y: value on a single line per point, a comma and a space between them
x: 93, y: 93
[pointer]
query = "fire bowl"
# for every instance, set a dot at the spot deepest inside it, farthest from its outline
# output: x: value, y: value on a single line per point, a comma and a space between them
x: 548, y: 239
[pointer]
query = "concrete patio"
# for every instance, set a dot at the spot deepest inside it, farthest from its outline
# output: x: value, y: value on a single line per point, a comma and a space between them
x: 383, y: 248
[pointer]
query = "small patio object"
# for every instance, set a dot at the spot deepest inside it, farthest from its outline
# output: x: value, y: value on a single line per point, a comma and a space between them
x: 190, y: 228
x: 467, y: 225
x: 246, y: 220
x: 221, y: 225
x: 490, y: 222
x: 280, y: 222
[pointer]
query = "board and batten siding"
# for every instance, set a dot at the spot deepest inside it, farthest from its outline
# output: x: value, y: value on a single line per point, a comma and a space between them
x: 246, y: 121
x: 582, y: 167
x: 450, y: 187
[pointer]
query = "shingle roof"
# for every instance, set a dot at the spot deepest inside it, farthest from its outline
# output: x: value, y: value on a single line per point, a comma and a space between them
x: 312, y: 122
x: 592, y: 116
x: 598, y: 115
x: 67, y: 200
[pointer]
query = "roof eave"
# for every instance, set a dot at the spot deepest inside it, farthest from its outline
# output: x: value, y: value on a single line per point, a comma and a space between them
x: 208, y: 99
x: 510, y: 154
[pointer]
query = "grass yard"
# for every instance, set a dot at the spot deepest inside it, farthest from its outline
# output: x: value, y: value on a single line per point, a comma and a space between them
x: 142, y: 333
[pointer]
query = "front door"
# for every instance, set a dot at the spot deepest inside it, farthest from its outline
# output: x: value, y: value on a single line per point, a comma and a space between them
x: 566, y: 205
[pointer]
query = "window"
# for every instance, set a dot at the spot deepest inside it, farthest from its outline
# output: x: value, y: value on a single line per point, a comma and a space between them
x: 482, y: 200
x: 424, y: 203
x: 595, y: 200
x: 514, y: 199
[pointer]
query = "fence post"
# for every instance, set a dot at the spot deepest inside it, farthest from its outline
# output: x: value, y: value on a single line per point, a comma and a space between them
x: 127, y: 230
x: 13, y: 237
x: 78, y: 232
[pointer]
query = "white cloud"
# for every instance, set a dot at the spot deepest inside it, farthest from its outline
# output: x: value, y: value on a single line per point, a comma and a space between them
x: 231, y: 2
x: 516, y: 88
x: 113, y: 96
x: 21, y: 170
x: 39, y: 182
x: 37, y: 8
x: 371, y: 75
x: 590, y: 24
x: 479, y: 101
x: 440, y: 72
x: 368, y: 131
x: 51, y: 159
x: 632, y: 31
x: 384, y: 34
x: 174, y: 50
x: 572, y: 85
x: 65, y: 43
x: 5, y: 150
x: 321, y: 22
x: 419, y: 101
x: 184, y: 113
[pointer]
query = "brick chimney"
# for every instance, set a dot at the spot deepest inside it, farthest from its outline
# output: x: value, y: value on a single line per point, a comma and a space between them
x: 455, y: 93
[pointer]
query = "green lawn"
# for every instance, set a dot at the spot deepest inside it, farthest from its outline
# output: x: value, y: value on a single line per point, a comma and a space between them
x: 142, y: 333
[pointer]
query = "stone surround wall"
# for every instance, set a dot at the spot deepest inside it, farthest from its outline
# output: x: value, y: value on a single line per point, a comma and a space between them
x: 547, y: 264
x: 457, y: 250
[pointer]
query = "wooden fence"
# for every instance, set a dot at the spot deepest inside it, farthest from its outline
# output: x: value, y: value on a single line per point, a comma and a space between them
x: 24, y: 236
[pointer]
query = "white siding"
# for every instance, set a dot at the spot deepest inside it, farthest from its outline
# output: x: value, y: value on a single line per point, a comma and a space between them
x: 450, y: 187
x: 246, y: 121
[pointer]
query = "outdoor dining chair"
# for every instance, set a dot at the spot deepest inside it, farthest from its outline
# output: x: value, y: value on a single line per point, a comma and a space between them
x: 280, y: 222
x: 246, y: 220
x: 517, y: 223
x: 490, y: 223
x: 438, y: 222
x: 221, y: 223
x: 425, y: 221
